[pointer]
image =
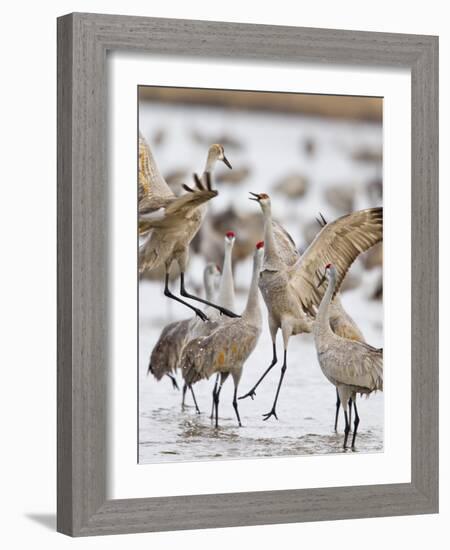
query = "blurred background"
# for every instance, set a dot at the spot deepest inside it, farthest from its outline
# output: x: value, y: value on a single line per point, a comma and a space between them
x: 311, y: 154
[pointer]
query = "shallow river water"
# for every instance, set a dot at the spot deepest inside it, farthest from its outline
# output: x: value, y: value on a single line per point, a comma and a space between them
x: 305, y: 409
x: 306, y: 406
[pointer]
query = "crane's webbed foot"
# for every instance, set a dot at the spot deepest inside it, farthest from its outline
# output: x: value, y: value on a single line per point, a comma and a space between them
x: 269, y: 414
x: 251, y: 394
x: 225, y: 311
x: 169, y: 294
x: 201, y: 314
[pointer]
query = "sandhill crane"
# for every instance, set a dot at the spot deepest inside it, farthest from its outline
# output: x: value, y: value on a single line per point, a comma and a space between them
x: 219, y: 286
x: 290, y: 290
x: 165, y: 356
x: 343, y: 325
x: 352, y: 367
x: 226, y: 348
x: 172, y: 222
x: 226, y: 297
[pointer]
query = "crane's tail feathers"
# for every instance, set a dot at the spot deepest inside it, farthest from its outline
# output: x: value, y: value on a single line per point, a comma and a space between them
x: 190, y: 373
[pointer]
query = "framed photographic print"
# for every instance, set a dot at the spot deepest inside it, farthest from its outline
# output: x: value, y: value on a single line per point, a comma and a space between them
x: 247, y: 233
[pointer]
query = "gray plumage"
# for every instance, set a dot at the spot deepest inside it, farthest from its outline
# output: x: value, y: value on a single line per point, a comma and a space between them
x: 166, y: 354
x: 290, y: 289
x: 342, y: 324
x: 169, y: 222
x: 229, y: 345
x: 352, y: 367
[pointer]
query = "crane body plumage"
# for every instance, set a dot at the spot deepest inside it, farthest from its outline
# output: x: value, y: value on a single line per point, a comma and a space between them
x: 168, y: 223
x: 352, y: 367
x: 226, y: 348
x: 166, y: 354
x: 289, y: 288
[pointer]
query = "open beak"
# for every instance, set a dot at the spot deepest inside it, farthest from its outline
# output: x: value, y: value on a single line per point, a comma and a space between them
x: 255, y: 197
x: 227, y: 162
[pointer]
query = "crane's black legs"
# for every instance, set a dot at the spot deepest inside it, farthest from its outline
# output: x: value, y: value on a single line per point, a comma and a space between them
x: 235, y: 406
x: 216, y: 383
x: 195, y: 400
x: 216, y: 403
x: 169, y: 294
x: 338, y: 404
x: 347, y: 429
x: 174, y: 381
x: 252, y: 392
x: 186, y: 294
x: 183, y: 396
x: 356, y: 424
x: 274, y: 406
x: 185, y: 387
x: 350, y: 401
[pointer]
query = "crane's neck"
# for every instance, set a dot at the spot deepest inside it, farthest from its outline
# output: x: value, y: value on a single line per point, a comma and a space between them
x: 323, y: 315
x: 252, y: 311
x: 211, y: 160
x: 272, y: 259
x: 226, y: 296
x: 210, y: 288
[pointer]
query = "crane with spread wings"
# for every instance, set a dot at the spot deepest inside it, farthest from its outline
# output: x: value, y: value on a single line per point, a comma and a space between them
x: 288, y: 281
x: 168, y: 223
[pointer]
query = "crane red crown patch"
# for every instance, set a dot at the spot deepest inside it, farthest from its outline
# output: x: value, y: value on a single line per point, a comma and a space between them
x: 260, y: 244
x: 230, y: 234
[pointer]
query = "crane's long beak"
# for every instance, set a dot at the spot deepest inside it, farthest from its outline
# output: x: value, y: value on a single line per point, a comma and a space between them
x: 255, y: 197
x: 227, y: 162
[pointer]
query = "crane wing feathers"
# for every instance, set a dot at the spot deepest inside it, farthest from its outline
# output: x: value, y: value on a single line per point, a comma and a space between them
x: 152, y: 185
x: 166, y: 354
x: 338, y: 243
x: 185, y: 204
x: 362, y: 367
x: 176, y: 210
x: 285, y: 244
x: 227, y: 347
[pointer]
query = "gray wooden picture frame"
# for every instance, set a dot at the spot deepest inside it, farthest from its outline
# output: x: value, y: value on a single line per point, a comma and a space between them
x: 83, y: 42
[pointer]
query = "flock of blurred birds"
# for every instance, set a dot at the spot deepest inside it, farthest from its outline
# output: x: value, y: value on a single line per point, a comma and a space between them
x: 341, y: 198
x: 174, y: 220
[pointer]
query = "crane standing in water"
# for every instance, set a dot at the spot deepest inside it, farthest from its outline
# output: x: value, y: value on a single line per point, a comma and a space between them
x: 343, y: 325
x: 226, y: 348
x: 352, y: 367
x: 165, y: 356
x: 290, y: 290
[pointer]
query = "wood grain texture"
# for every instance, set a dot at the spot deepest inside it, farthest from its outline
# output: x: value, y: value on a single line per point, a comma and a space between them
x: 83, y: 251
